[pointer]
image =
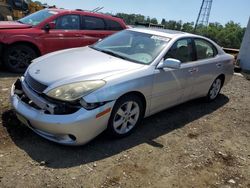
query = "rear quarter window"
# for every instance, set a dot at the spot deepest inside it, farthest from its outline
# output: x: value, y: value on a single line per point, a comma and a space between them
x: 93, y: 23
x: 113, y: 25
x: 204, y: 49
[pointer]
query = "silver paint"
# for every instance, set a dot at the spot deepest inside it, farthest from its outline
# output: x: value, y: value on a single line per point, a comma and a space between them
x: 161, y: 87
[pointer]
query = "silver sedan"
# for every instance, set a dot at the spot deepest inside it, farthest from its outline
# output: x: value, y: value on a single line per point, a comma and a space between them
x: 71, y: 96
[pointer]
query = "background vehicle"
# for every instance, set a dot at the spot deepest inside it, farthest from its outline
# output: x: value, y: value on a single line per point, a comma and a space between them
x: 71, y: 96
x: 16, y: 9
x: 50, y: 30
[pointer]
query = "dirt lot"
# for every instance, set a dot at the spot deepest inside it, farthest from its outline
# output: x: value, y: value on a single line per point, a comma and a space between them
x: 196, y: 144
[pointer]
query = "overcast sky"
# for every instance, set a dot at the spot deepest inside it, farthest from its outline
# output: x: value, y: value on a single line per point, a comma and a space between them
x: 185, y: 10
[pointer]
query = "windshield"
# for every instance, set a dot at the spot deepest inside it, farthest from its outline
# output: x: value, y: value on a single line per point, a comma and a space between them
x: 133, y: 46
x: 37, y: 17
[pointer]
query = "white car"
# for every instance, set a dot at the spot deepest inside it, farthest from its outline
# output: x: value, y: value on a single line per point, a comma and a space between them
x: 71, y: 96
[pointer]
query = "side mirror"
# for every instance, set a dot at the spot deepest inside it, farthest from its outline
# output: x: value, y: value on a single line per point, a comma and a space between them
x: 49, y: 26
x: 170, y: 63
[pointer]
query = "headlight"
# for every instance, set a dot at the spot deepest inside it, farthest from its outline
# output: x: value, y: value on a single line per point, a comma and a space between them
x: 74, y: 91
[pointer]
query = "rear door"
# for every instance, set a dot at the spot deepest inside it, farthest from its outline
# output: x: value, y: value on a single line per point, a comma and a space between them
x: 207, y: 66
x: 93, y: 29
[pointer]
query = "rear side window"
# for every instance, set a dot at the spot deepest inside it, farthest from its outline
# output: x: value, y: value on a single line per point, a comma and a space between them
x: 113, y: 25
x: 204, y: 49
x: 181, y: 50
x: 93, y: 23
x: 68, y: 22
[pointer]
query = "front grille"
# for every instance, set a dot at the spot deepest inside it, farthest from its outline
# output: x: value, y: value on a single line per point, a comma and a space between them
x: 35, y: 85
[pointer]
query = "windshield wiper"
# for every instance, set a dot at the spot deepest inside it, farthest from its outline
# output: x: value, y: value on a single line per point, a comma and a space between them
x: 19, y: 21
x: 109, y: 52
x: 24, y: 23
x: 112, y: 53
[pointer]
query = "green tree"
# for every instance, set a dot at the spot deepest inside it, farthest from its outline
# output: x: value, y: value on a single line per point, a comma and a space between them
x: 178, y: 25
x: 154, y: 21
x: 188, y: 27
x: 230, y: 35
x: 163, y: 22
x: 131, y: 19
x: 171, y: 24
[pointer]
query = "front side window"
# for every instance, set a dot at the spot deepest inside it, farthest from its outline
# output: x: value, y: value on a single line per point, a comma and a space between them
x: 93, y: 23
x: 181, y: 50
x: 68, y: 22
x: 204, y: 49
x: 133, y: 46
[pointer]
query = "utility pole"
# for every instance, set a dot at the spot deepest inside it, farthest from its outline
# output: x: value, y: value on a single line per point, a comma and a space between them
x: 204, y: 13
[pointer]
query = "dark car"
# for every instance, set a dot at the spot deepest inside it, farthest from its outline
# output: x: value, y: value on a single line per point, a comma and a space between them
x: 50, y: 30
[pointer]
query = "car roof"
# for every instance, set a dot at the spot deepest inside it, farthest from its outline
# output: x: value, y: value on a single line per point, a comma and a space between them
x: 163, y: 32
x: 86, y: 12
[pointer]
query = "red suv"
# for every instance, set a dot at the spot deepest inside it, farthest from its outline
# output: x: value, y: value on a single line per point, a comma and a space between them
x: 50, y: 30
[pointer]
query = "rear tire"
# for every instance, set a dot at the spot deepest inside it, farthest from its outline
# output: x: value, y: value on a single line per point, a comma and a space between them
x: 214, y: 89
x: 127, y: 113
x: 18, y: 57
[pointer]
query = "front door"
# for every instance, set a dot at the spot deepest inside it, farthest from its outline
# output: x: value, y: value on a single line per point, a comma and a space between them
x: 66, y: 34
x: 173, y: 86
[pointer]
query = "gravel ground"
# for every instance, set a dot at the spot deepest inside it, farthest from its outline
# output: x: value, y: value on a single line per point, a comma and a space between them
x: 196, y: 144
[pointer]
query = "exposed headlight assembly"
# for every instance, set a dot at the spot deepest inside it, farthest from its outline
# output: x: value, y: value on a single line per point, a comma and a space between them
x: 76, y: 90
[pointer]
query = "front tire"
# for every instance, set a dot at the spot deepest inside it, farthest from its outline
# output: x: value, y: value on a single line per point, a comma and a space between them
x: 1, y: 17
x: 127, y: 113
x: 215, y: 89
x: 18, y: 57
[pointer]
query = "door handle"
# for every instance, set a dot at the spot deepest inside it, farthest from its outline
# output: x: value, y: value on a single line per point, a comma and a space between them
x: 219, y: 65
x: 192, y: 70
x: 196, y: 69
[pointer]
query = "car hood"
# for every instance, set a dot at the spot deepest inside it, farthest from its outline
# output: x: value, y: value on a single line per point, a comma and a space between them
x: 77, y: 64
x: 13, y: 25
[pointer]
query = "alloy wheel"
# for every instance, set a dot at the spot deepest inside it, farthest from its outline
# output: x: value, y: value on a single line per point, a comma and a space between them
x: 20, y: 59
x: 126, y: 117
x: 215, y: 89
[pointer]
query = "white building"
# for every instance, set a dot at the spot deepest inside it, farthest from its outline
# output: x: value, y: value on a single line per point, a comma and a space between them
x: 244, y: 55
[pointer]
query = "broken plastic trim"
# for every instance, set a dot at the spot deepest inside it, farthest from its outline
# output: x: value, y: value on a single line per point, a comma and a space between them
x: 59, y: 109
x: 91, y: 106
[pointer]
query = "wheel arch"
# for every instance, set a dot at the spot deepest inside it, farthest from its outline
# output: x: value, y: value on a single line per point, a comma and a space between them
x: 1, y: 48
x: 27, y: 43
x: 140, y: 95
x: 130, y: 95
x: 223, y: 77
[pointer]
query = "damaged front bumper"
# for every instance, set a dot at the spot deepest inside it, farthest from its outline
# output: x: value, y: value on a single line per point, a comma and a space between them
x: 38, y: 114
